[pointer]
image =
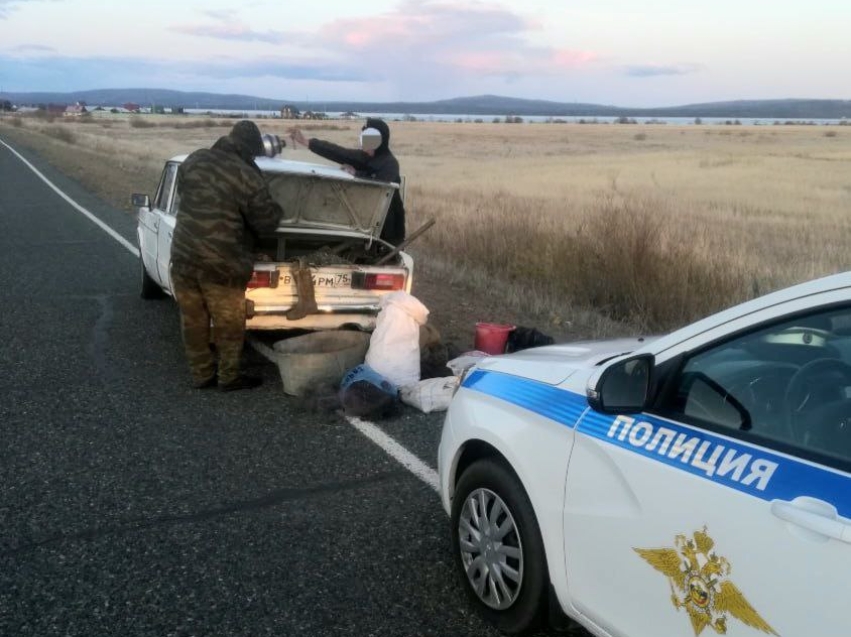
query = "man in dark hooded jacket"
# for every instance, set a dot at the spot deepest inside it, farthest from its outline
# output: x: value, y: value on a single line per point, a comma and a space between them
x: 372, y: 161
x: 224, y: 201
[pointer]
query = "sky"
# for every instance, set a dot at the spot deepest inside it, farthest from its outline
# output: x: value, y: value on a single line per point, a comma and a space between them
x: 617, y: 52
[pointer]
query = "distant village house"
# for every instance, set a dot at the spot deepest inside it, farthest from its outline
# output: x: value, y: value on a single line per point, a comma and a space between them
x: 289, y: 111
x: 76, y: 110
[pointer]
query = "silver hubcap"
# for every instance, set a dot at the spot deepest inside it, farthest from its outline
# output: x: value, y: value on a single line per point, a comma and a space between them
x: 491, y: 549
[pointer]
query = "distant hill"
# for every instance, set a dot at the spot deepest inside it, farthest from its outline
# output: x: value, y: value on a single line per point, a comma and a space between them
x: 485, y: 105
x: 147, y: 97
x: 788, y: 108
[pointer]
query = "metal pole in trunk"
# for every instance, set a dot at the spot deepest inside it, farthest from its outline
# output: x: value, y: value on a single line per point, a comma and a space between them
x: 411, y: 237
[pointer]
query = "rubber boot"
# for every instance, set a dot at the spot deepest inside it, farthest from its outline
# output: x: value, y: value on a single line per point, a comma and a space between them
x: 306, y: 303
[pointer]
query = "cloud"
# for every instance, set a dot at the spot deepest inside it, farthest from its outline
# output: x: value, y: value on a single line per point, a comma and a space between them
x: 416, y: 24
x: 8, y: 6
x: 220, y: 14
x: 418, y: 40
x: 28, y: 73
x: 652, y: 70
x: 32, y: 48
x: 273, y: 67
x: 540, y: 61
x: 232, y: 30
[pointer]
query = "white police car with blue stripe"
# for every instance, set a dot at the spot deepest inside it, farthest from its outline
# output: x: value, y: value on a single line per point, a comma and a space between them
x: 697, y: 483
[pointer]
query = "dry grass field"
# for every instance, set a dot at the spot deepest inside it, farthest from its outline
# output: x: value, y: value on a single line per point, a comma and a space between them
x: 600, y: 229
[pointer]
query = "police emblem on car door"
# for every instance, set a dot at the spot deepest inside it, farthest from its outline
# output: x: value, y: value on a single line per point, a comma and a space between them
x: 699, y: 583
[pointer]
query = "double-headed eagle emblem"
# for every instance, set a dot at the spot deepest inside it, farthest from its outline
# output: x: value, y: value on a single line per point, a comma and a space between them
x: 698, y: 579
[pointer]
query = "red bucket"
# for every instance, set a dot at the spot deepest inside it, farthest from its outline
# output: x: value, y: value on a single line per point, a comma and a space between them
x: 491, y: 338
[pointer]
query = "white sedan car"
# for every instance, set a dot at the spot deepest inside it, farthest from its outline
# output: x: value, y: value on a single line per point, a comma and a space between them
x: 332, y: 220
x: 698, y: 483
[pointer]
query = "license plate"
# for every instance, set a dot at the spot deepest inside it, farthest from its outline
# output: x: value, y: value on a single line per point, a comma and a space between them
x: 322, y: 279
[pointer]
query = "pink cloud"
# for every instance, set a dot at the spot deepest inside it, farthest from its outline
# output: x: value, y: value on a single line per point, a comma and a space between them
x: 488, y: 62
x: 515, y: 63
x: 363, y: 33
x: 416, y: 23
x: 481, y: 38
x: 573, y: 59
x: 424, y: 38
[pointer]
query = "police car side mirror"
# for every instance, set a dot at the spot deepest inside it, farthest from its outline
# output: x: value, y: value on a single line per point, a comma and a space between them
x: 622, y: 386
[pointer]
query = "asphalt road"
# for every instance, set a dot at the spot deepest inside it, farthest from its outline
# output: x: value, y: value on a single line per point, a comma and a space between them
x: 131, y: 504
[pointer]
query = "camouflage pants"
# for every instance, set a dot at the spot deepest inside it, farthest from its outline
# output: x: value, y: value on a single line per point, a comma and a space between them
x: 200, y: 303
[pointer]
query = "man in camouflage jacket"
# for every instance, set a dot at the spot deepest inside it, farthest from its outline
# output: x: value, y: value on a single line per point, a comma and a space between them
x: 224, y: 203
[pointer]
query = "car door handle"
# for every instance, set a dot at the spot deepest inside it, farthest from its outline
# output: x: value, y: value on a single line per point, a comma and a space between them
x: 813, y: 515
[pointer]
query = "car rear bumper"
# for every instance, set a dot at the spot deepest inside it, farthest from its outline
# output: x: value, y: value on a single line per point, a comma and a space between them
x: 321, y: 321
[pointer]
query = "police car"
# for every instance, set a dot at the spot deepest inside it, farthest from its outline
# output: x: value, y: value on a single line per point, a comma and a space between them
x: 693, y: 484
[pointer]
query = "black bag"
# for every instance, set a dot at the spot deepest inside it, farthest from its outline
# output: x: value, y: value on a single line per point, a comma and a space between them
x: 525, y: 338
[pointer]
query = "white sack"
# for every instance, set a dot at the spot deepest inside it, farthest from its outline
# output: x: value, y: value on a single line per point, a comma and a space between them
x: 394, y: 348
x: 430, y: 395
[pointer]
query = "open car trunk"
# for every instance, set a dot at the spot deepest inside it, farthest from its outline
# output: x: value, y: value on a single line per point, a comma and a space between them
x: 332, y: 223
x: 316, y: 197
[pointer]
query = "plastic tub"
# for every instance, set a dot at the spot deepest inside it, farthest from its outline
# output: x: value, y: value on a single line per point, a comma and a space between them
x: 318, y: 359
x: 492, y: 338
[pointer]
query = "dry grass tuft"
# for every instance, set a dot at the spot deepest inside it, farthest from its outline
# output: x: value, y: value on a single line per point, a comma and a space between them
x: 328, y: 127
x: 61, y: 133
x: 194, y: 123
x: 623, y: 255
x: 42, y: 115
x: 631, y: 260
x: 137, y: 121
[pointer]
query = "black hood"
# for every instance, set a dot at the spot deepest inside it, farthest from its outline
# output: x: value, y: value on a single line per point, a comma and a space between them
x: 381, y: 126
x: 228, y: 144
x: 245, y: 133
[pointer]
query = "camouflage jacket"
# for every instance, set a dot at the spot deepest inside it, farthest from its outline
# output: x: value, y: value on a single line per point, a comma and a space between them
x: 224, y: 203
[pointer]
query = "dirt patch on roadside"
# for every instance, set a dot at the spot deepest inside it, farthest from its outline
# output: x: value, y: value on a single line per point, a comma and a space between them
x: 454, y: 305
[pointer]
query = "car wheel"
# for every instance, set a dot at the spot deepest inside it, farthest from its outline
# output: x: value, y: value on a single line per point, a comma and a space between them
x: 498, y: 549
x: 150, y: 289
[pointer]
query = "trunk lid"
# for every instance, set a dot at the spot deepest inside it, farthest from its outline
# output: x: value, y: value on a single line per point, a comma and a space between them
x: 325, y: 198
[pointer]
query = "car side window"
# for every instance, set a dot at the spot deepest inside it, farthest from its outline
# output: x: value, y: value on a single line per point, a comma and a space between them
x: 164, y: 191
x: 788, y: 383
x: 175, y: 202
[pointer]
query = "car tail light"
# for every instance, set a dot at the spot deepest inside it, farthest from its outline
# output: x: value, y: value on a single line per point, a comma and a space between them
x: 263, y: 279
x: 373, y: 281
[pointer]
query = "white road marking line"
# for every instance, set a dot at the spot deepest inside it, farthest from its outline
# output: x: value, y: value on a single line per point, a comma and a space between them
x: 397, y: 452
x: 112, y: 233
x: 390, y: 446
x: 372, y: 431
